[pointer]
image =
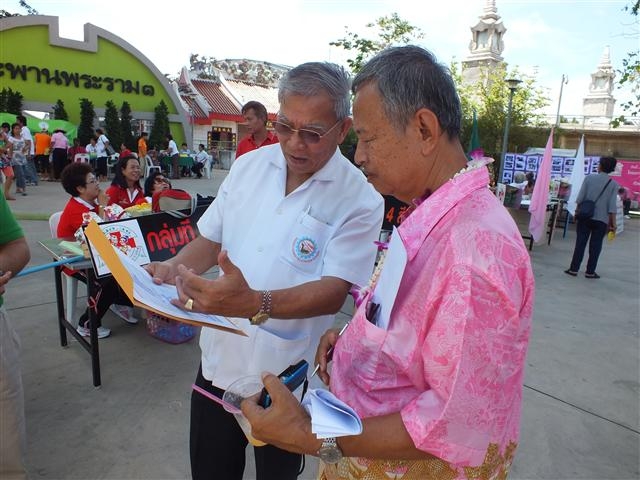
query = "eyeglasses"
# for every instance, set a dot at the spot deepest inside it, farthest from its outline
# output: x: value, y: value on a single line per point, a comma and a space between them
x: 309, y: 137
x: 93, y: 181
x: 160, y: 180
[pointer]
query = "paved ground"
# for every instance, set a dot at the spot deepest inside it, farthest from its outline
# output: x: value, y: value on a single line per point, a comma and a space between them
x: 580, y: 419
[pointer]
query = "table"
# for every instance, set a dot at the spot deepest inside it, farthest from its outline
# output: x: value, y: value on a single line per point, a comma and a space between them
x: 522, y: 216
x: 52, y: 245
x: 182, y: 161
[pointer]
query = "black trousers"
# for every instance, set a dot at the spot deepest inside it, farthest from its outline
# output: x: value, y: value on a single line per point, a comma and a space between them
x: 197, y: 167
x: 585, y: 229
x: 217, y: 444
x: 108, y: 293
x: 59, y: 161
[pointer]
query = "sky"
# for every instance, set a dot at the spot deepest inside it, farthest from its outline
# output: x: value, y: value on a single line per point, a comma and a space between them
x: 549, y: 37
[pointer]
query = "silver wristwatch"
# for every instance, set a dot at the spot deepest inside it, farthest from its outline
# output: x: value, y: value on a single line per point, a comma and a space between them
x: 330, y: 451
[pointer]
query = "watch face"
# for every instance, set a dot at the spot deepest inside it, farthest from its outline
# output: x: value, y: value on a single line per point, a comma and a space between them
x: 259, y: 318
x: 330, y: 454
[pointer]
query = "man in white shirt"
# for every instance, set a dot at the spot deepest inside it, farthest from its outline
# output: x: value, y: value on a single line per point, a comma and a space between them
x: 292, y: 228
x: 199, y: 161
x: 102, y: 143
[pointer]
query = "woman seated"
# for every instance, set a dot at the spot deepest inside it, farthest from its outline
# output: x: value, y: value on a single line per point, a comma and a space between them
x: 125, y: 189
x: 80, y: 182
x: 157, y: 186
x: 155, y: 182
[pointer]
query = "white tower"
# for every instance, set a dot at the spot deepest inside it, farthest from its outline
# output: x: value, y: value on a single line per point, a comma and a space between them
x: 600, y: 102
x: 486, y: 45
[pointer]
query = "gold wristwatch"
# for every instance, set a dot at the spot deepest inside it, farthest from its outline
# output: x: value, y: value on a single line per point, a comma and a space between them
x: 265, y: 309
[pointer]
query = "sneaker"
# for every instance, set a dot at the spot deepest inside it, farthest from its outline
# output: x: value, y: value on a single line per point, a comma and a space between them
x: 103, y: 332
x: 124, y: 312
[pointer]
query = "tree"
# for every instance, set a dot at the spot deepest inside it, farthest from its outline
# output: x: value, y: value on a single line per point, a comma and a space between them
x: 489, y: 97
x: 389, y: 30
x: 86, y: 129
x: 10, y: 101
x: 630, y: 75
x: 125, y: 126
x: 160, y: 126
x: 112, y: 125
x: 59, y: 113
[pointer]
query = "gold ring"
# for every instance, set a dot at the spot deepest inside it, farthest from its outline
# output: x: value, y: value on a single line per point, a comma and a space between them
x: 188, y: 305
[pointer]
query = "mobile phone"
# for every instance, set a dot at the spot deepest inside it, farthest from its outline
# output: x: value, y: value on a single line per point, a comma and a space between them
x: 293, y: 376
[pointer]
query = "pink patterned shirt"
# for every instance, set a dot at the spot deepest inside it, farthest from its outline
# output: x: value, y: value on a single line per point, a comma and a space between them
x: 452, y: 360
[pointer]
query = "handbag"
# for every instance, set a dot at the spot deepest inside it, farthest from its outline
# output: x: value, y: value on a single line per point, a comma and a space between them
x: 587, y: 208
x: 109, y: 149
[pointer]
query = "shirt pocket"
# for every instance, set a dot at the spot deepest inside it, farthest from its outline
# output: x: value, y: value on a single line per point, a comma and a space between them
x: 375, y: 369
x: 305, y: 244
x: 273, y: 353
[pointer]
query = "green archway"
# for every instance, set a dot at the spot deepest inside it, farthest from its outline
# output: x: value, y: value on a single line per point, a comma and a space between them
x: 43, y: 67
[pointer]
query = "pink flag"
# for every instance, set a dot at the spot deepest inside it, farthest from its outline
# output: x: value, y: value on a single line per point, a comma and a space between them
x: 540, y: 195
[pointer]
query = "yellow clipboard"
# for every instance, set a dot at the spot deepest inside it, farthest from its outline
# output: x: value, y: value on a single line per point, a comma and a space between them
x: 124, y: 279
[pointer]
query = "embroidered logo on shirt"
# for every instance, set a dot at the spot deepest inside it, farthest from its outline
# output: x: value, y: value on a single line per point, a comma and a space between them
x: 305, y: 249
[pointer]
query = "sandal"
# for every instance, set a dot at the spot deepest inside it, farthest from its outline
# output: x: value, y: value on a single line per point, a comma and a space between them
x: 572, y: 273
x: 591, y: 275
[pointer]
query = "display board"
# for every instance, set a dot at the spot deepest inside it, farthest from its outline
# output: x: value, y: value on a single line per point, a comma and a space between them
x: 149, y: 238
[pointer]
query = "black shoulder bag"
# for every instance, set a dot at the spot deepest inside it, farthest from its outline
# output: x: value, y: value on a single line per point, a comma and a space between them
x: 587, y: 208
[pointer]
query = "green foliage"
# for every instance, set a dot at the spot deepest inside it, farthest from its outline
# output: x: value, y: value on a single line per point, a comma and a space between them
x: 347, y: 145
x: 388, y: 31
x: 160, y: 126
x: 112, y: 125
x: 125, y: 126
x: 490, y: 99
x: 630, y: 76
x: 87, y: 117
x: 59, y: 113
x: 10, y: 101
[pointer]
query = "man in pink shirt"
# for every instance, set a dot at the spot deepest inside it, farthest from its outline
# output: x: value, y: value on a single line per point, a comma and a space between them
x: 433, y: 359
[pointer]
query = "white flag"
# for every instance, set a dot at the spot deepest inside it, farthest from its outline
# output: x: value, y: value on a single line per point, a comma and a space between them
x: 577, y: 177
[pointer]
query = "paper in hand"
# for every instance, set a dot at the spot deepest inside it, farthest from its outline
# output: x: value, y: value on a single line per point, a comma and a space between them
x: 330, y: 417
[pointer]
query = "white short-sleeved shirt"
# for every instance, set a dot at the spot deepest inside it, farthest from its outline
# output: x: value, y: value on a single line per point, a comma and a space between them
x: 100, y: 145
x: 25, y: 133
x: 326, y: 227
x: 172, y: 149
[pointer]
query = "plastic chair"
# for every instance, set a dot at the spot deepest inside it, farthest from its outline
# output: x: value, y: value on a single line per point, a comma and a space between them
x: 111, y: 162
x: 71, y: 283
x: 147, y: 166
x: 151, y: 168
x: 81, y: 157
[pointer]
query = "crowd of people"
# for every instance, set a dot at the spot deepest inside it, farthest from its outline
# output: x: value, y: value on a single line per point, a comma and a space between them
x: 433, y: 359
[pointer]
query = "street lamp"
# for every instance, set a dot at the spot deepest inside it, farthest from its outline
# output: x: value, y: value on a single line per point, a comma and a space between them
x: 512, y: 83
x: 563, y: 82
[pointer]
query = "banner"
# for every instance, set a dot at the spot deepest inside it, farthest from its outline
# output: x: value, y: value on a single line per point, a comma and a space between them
x: 149, y: 238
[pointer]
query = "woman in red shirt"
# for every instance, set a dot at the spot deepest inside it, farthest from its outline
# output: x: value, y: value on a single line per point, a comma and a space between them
x: 80, y: 182
x: 125, y: 189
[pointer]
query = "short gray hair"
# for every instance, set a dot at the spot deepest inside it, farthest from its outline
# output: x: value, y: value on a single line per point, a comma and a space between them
x: 410, y: 78
x: 313, y: 78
